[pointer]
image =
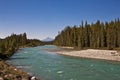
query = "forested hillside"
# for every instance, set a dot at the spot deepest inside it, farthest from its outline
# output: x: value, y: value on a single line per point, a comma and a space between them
x: 95, y: 35
x: 12, y: 43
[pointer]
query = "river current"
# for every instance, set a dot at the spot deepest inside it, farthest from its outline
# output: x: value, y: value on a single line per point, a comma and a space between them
x: 50, y: 66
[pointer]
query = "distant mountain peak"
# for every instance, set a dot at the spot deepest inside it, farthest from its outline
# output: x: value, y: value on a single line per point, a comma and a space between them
x: 47, y: 39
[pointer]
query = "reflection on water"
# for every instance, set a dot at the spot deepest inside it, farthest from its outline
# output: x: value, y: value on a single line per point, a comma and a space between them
x: 50, y: 66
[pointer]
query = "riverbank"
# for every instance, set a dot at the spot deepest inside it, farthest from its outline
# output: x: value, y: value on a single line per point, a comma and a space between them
x: 9, y: 72
x: 90, y: 53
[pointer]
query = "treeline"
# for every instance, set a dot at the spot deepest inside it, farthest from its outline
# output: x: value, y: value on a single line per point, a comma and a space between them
x: 11, y: 44
x: 97, y: 35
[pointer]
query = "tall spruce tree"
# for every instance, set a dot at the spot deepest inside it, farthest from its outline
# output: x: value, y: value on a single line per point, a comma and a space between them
x: 95, y: 35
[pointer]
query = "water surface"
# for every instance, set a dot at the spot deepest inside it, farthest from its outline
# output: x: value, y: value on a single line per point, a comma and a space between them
x: 51, y: 66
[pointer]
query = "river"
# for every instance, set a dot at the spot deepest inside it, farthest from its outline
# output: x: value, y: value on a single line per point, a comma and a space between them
x: 51, y: 66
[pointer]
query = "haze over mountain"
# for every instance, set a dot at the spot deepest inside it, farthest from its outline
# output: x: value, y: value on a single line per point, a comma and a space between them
x: 47, y: 39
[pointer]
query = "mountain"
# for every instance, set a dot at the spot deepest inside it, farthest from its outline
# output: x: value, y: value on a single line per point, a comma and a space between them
x: 48, y: 39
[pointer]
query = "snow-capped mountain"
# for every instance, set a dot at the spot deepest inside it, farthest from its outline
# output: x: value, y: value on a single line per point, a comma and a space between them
x: 48, y: 39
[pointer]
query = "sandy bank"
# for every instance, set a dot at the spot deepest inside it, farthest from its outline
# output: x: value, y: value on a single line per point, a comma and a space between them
x: 93, y: 53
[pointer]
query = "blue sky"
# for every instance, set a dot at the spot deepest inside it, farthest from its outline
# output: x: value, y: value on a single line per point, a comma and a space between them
x: 44, y: 18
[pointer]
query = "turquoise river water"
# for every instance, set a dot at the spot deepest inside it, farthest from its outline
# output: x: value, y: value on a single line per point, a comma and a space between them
x: 51, y: 66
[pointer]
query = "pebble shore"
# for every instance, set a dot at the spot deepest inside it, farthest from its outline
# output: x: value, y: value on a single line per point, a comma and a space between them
x: 9, y: 72
x: 92, y: 53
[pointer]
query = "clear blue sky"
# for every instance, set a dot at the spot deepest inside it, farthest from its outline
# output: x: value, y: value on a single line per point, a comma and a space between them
x: 44, y: 18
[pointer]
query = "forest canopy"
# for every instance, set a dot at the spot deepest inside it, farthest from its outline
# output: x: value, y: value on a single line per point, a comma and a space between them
x: 95, y: 35
x: 11, y: 44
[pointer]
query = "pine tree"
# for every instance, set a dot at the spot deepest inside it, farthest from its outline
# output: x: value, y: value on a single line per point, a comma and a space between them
x: 95, y: 35
x: 24, y: 39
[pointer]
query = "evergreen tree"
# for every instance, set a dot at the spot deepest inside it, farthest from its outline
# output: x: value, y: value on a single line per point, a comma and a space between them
x: 95, y: 35
x: 12, y: 43
x: 24, y: 39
